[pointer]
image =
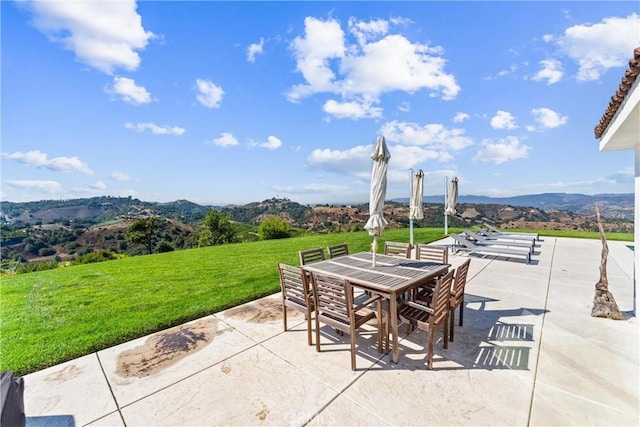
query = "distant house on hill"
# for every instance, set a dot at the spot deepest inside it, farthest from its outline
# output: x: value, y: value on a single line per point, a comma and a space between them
x: 619, y: 129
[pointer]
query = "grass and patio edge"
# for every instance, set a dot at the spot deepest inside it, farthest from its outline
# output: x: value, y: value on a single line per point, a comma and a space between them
x: 57, y: 315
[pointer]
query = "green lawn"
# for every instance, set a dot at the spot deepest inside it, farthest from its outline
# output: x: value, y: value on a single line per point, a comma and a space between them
x: 52, y: 316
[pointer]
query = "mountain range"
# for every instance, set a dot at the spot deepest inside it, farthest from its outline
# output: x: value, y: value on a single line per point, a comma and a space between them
x: 611, y: 205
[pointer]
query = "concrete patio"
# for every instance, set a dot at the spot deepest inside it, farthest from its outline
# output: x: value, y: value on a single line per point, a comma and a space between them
x: 529, y: 353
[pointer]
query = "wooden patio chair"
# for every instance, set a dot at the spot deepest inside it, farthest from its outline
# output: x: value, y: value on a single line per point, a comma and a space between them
x: 334, y: 306
x: 429, y: 317
x: 434, y: 253
x: 341, y: 249
x: 296, y: 294
x: 457, y: 295
x: 311, y: 255
x: 397, y: 249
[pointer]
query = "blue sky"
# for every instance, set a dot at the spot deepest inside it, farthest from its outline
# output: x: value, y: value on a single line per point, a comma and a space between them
x: 234, y: 102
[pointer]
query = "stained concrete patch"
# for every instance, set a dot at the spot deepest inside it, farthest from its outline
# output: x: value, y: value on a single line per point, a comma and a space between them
x: 166, y: 348
x: 67, y: 373
x: 261, y: 311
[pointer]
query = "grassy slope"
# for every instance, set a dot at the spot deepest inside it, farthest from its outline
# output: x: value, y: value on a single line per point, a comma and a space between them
x: 52, y: 316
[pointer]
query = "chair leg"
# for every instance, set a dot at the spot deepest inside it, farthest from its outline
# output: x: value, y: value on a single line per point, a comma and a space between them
x: 317, y: 334
x: 379, y: 318
x: 430, y: 349
x: 461, y: 310
x: 353, y: 352
x: 309, y: 333
x: 386, y: 330
x: 452, y: 314
x: 445, y: 332
x: 284, y: 315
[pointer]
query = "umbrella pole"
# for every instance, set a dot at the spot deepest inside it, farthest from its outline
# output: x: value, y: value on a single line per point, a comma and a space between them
x: 374, y: 249
x: 410, y: 199
x: 446, y: 196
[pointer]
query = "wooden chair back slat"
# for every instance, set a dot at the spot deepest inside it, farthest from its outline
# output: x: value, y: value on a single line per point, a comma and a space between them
x: 341, y: 249
x: 457, y: 295
x: 311, y: 255
x: 433, y: 253
x: 397, y: 249
x: 334, y: 307
x: 296, y: 294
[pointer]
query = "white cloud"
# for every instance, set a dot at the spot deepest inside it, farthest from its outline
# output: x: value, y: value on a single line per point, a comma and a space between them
x: 548, y: 118
x: 503, y: 151
x: 551, y: 71
x: 255, y: 49
x: 103, y: 34
x: 503, y: 120
x: 98, y: 185
x: 366, y: 31
x: 39, y: 159
x: 362, y: 70
x: 404, y: 107
x: 460, y: 117
x: 310, y: 188
x: 52, y: 187
x: 512, y: 69
x: 128, y: 91
x: 436, y: 136
x: 354, y: 161
x: 323, y: 41
x: 120, y: 176
x: 209, y: 95
x: 155, y: 129
x: 598, y: 47
x: 272, y: 143
x: 351, y: 110
x: 224, y: 140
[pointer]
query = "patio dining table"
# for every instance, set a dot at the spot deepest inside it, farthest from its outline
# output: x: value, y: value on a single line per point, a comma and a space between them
x: 391, y: 277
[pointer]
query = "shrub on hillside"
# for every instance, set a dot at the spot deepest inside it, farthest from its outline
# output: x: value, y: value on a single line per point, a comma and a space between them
x: 30, y: 267
x: 274, y: 227
x: 97, y: 256
x: 164, y: 246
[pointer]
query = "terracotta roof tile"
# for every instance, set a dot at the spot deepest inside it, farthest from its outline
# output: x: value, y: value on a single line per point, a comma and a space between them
x: 630, y: 76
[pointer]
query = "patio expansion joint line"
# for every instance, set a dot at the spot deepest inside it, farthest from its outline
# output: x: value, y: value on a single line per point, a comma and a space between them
x: 115, y: 400
x: 544, y: 317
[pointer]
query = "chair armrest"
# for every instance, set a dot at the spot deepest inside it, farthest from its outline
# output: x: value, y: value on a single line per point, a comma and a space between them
x: 418, y: 305
x: 373, y: 299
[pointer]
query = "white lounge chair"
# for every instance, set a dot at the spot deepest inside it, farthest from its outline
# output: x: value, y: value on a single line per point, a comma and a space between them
x: 462, y: 244
x: 504, y: 235
x: 515, y: 233
x: 499, y: 240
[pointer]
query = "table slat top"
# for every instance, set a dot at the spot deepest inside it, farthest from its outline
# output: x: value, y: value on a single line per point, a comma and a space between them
x: 390, y: 273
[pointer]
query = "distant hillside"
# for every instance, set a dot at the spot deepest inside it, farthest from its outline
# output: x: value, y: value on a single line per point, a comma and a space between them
x: 610, y: 205
x: 96, y: 210
x: 65, y: 229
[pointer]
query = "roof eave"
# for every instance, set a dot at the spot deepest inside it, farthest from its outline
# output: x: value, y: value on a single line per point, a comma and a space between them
x: 623, y: 132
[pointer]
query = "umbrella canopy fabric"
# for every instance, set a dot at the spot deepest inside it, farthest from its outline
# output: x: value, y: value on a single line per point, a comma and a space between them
x: 380, y: 155
x: 452, y: 200
x: 415, y: 208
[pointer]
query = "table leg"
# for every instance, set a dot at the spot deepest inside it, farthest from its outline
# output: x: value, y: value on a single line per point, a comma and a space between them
x: 393, y: 310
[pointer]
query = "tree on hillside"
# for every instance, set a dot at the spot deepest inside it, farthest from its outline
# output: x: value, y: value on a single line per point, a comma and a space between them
x: 216, y: 229
x: 143, y: 232
x: 274, y: 227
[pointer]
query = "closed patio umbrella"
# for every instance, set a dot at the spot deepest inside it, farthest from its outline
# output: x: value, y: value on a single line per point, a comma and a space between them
x: 415, y: 207
x: 452, y: 200
x: 376, y: 222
